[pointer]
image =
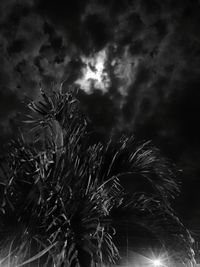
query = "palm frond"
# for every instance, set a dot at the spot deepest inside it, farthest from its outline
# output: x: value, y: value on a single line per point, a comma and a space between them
x: 160, y: 222
x: 59, y: 189
x: 142, y: 164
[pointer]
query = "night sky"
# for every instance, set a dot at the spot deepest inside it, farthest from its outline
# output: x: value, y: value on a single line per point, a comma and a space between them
x: 151, y: 52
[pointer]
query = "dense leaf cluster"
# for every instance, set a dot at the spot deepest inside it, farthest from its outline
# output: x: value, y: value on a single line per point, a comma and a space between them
x: 61, y: 196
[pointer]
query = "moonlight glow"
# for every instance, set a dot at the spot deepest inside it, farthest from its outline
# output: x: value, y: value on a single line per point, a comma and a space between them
x: 94, y: 73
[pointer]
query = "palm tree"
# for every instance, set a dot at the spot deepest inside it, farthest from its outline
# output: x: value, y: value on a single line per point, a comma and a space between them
x: 63, y: 198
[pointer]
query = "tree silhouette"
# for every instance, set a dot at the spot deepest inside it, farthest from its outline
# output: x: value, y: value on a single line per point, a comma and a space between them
x: 64, y: 200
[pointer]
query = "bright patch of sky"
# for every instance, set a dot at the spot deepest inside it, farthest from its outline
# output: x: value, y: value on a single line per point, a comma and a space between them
x: 96, y: 69
x: 94, y: 75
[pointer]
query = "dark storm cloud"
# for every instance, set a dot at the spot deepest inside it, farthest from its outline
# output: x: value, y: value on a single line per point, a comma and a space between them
x: 32, y: 53
x: 16, y: 70
x: 177, y: 63
x: 158, y: 39
x: 163, y: 37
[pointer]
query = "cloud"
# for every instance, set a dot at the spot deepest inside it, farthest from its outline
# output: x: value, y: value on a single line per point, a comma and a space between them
x: 32, y: 53
x: 152, y: 55
x: 94, y: 74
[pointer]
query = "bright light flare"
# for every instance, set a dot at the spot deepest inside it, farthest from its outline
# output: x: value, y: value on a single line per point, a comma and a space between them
x: 157, y: 262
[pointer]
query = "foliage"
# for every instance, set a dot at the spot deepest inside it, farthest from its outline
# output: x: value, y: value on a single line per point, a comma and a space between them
x: 61, y: 195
